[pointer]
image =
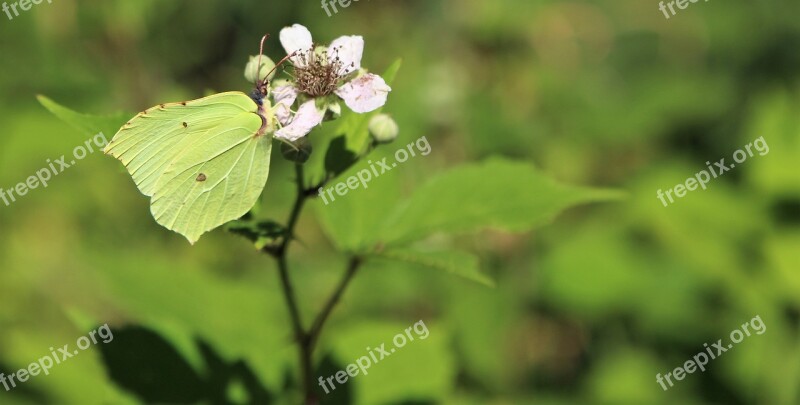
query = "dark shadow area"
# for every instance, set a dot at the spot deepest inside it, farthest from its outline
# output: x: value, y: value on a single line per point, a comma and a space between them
x: 343, y: 393
x: 22, y: 392
x: 786, y: 212
x: 145, y: 364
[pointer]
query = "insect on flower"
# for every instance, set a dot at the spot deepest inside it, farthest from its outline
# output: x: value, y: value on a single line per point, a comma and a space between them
x: 202, y: 162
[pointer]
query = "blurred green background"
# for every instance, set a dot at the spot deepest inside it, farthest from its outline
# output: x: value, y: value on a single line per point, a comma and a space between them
x: 587, y: 309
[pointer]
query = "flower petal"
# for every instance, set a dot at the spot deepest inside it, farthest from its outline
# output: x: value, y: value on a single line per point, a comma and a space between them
x: 304, y: 121
x: 296, y: 38
x: 364, y: 94
x: 284, y: 97
x: 349, y: 50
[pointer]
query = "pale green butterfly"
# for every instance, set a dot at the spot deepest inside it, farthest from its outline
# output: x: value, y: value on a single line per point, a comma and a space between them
x: 203, y: 162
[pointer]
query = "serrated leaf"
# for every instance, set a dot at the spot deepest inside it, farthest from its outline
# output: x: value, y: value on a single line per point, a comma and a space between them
x: 498, y: 194
x: 353, y: 221
x: 457, y: 263
x: 501, y: 194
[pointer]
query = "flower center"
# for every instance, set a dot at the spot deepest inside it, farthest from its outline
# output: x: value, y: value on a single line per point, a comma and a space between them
x: 317, y: 75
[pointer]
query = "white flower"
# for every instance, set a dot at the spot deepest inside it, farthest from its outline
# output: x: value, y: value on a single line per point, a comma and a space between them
x: 295, y: 39
x: 321, y: 73
x: 284, y: 95
x: 308, y: 116
x: 365, y: 93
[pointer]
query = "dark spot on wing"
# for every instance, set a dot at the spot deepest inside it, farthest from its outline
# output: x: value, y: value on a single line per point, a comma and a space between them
x: 183, y: 103
x: 185, y: 125
x: 201, y: 177
x: 162, y: 105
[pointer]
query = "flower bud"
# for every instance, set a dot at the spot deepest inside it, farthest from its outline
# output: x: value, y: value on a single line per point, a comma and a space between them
x: 252, y: 67
x: 383, y: 128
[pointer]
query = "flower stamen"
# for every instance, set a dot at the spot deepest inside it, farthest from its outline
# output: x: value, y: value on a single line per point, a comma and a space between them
x: 317, y: 75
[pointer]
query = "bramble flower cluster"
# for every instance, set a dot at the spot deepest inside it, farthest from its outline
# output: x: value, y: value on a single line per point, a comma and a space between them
x: 320, y: 77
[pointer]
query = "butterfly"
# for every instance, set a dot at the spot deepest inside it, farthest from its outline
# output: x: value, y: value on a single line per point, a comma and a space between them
x: 202, y: 162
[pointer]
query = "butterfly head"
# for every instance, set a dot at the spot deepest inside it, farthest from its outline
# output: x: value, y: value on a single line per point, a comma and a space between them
x: 258, y: 96
x: 261, y: 89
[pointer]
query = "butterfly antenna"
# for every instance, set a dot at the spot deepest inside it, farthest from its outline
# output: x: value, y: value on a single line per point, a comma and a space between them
x: 280, y: 62
x: 260, y: 54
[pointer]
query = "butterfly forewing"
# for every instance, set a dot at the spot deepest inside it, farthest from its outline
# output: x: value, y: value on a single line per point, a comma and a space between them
x: 149, y: 142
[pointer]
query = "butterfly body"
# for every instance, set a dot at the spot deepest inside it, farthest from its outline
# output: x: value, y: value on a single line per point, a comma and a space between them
x: 257, y: 96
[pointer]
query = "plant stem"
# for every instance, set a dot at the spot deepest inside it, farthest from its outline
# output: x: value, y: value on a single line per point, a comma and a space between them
x: 316, y: 328
x: 291, y: 302
x: 300, y: 335
x: 306, y: 340
x: 298, y: 203
x: 286, y: 283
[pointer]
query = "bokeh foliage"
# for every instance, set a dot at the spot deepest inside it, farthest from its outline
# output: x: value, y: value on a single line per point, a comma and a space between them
x: 587, y: 309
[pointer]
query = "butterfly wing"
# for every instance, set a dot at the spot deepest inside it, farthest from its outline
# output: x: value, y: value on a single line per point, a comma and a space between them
x: 150, y: 141
x: 202, y: 174
x: 218, y: 179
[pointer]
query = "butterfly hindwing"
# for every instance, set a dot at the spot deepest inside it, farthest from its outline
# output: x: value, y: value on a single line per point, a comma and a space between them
x: 202, y: 162
x: 216, y: 180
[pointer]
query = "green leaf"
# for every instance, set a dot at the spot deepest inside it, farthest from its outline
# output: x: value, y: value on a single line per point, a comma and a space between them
x: 356, y: 126
x: 262, y: 233
x: 391, y: 73
x: 500, y: 194
x: 421, y: 369
x: 353, y: 221
x: 338, y: 158
x: 457, y: 263
x: 88, y: 125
